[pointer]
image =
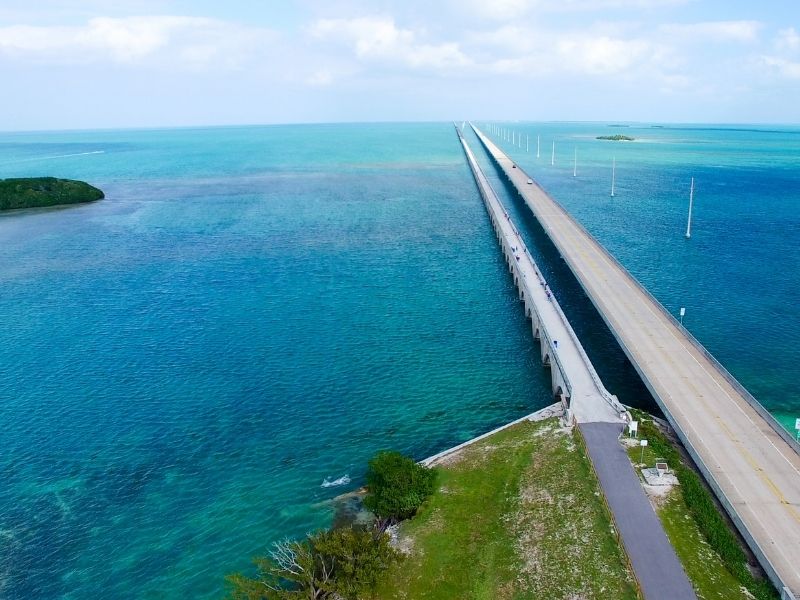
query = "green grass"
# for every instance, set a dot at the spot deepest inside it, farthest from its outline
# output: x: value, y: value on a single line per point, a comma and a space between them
x: 707, y: 547
x: 518, y: 515
x: 34, y: 192
x: 711, y: 580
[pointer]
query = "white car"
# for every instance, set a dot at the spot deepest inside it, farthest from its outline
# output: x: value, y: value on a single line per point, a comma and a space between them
x: 530, y: 180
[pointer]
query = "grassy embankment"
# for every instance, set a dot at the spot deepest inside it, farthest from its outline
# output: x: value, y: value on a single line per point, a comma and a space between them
x: 710, y: 552
x: 35, y: 192
x: 518, y: 515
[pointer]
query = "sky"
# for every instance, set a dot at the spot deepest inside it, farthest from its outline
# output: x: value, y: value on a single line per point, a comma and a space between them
x: 85, y: 64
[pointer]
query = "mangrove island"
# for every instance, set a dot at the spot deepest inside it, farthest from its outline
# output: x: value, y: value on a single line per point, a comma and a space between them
x: 616, y: 138
x: 34, y: 192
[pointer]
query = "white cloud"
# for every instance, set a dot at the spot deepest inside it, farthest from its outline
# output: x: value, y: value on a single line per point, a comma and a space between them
x: 378, y: 39
x: 509, y: 38
x: 786, y: 61
x: 320, y: 78
x: 788, y: 40
x: 499, y: 10
x: 601, y: 55
x: 532, y: 51
x: 506, y: 10
x: 195, y: 41
x: 720, y: 31
x: 783, y: 67
x: 601, y: 5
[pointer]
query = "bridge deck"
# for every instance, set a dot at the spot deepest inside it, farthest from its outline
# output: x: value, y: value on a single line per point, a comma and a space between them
x: 589, y: 400
x: 754, y: 470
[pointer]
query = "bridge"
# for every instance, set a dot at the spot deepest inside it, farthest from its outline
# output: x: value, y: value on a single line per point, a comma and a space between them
x: 598, y: 414
x: 575, y: 382
x: 749, y: 460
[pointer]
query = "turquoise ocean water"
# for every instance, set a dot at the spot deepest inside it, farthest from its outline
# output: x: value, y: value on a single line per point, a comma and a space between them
x: 254, y: 310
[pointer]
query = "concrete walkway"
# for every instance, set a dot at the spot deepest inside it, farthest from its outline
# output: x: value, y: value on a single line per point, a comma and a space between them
x: 654, y: 561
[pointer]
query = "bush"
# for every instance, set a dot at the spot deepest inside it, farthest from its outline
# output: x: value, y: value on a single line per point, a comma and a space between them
x: 396, y: 487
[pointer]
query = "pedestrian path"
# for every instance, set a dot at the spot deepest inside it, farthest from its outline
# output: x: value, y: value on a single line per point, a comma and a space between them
x: 657, y: 568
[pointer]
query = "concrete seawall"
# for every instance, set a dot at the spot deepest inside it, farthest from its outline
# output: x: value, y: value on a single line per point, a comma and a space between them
x: 554, y: 410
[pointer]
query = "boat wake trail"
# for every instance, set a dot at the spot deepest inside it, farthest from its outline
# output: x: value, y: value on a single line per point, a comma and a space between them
x: 56, y: 156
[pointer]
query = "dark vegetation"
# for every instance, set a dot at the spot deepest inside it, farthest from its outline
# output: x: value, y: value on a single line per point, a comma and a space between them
x: 347, y: 562
x: 341, y: 563
x: 396, y: 487
x: 34, y: 192
x: 616, y: 138
x: 701, y: 506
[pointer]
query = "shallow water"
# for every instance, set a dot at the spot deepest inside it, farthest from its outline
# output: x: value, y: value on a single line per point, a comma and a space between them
x: 254, y: 311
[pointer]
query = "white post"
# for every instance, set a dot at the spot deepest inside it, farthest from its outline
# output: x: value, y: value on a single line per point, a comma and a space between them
x: 643, y: 444
x: 689, y: 222
x: 537, y: 146
x: 575, y: 167
x: 553, y: 155
x: 527, y: 142
x: 683, y: 312
x: 613, y: 174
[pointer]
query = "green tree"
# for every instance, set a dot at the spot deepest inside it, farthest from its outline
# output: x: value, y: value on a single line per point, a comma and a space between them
x: 396, y: 487
x: 342, y: 563
x: 360, y: 558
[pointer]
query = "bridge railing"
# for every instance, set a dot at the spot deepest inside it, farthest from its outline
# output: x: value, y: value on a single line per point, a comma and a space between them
x: 748, y: 397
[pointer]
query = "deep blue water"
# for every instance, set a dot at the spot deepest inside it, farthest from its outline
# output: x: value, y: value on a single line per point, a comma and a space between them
x: 254, y: 310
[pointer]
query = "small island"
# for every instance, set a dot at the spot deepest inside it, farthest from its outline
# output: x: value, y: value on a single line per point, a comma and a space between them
x: 616, y: 138
x: 34, y: 192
